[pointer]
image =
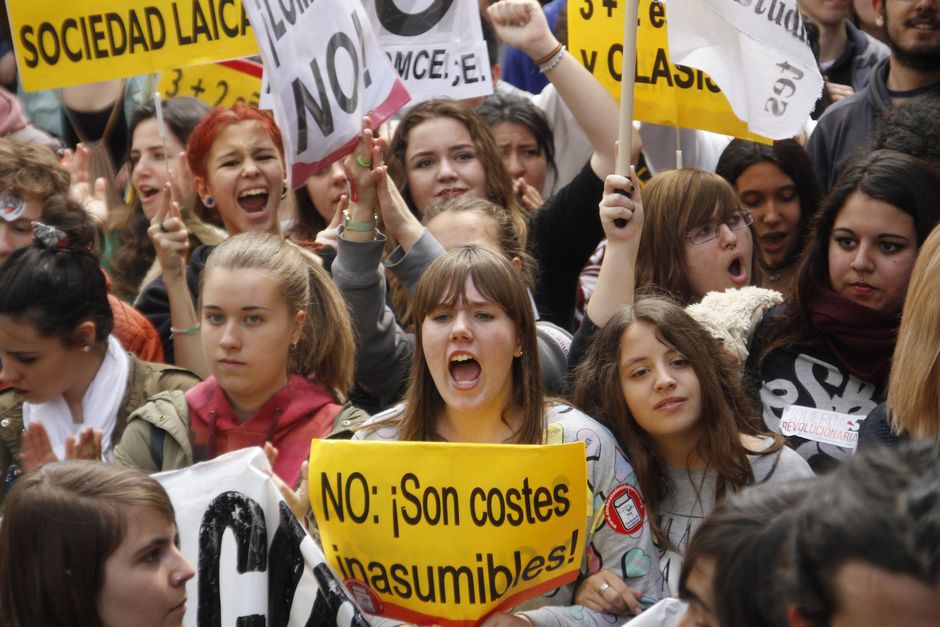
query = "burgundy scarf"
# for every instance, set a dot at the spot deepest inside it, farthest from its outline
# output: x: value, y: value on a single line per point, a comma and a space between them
x: 861, y: 338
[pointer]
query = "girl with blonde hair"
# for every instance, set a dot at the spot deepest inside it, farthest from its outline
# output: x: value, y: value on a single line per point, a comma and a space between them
x: 280, y: 350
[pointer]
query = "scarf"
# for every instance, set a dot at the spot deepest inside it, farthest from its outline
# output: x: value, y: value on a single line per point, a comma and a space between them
x: 100, y: 405
x: 296, y: 414
x: 860, y: 337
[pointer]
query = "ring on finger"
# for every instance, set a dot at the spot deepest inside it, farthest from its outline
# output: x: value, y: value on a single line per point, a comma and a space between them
x: 363, y: 163
x: 603, y: 587
x: 163, y: 228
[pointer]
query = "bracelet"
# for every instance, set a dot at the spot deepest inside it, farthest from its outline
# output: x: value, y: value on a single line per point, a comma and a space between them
x: 551, y: 55
x: 190, y: 330
x: 544, y: 69
x: 359, y: 227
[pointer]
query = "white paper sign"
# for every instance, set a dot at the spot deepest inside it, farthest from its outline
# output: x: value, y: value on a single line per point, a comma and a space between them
x: 819, y: 425
x: 326, y: 70
x: 757, y: 52
x: 252, y: 557
x: 436, y: 47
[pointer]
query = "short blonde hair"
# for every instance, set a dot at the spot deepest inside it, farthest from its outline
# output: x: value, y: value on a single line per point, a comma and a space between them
x: 914, y: 383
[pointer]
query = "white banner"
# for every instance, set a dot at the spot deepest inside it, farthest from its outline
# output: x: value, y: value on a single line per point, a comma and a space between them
x: 436, y: 47
x: 326, y: 70
x: 758, y: 54
x: 254, y: 562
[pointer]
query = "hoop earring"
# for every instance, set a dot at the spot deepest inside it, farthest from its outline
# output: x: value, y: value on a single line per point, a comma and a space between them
x: 209, y: 202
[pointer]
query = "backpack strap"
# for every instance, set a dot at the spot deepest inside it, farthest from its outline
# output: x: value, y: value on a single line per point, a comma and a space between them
x: 157, y: 438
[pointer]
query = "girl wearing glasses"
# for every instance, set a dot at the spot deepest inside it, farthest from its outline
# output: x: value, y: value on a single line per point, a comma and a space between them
x: 696, y: 238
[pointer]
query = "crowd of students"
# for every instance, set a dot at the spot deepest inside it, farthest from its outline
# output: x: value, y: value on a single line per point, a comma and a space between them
x: 725, y: 338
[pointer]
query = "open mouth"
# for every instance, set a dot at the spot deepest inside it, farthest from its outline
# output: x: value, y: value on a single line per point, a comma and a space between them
x: 147, y: 193
x: 464, y: 370
x: 253, y: 200
x: 737, y: 272
x: 773, y: 242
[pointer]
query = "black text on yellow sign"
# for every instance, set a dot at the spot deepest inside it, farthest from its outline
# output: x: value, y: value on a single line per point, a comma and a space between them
x: 221, y: 84
x: 664, y: 92
x: 67, y: 43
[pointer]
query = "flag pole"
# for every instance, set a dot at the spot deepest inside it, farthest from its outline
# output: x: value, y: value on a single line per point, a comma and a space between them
x: 627, y: 78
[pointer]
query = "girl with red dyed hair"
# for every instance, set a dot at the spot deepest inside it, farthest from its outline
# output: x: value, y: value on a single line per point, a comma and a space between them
x: 236, y: 157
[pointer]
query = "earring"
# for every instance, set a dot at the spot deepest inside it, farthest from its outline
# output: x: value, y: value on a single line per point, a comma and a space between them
x: 519, y: 354
x: 209, y: 202
x: 86, y: 348
x: 285, y: 191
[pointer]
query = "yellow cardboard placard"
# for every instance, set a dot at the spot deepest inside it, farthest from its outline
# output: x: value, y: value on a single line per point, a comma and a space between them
x: 664, y: 93
x: 447, y: 533
x: 219, y: 84
x: 82, y: 41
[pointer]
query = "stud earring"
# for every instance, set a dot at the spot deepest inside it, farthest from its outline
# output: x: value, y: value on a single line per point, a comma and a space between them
x: 86, y: 348
x: 209, y: 202
x: 285, y: 191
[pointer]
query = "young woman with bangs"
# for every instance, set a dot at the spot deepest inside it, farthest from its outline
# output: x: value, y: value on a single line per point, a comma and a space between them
x: 474, y: 380
x: 688, y: 235
x: 675, y: 402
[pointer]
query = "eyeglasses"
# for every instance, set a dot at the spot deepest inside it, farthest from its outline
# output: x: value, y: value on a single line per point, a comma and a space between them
x: 709, y: 231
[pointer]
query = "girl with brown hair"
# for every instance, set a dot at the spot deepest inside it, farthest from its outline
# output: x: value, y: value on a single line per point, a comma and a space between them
x: 674, y: 400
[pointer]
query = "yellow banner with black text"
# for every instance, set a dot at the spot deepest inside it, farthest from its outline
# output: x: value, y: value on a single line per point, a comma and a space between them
x: 80, y: 41
x: 447, y: 533
x: 664, y: 93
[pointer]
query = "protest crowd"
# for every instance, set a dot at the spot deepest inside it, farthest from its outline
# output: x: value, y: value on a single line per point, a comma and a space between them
x: 679, y: 371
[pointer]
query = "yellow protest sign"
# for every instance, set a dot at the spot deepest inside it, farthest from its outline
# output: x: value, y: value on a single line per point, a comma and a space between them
x: 447, y: 533
x: 664, y: 93
x: 82, y: 41
x: 219, y: 84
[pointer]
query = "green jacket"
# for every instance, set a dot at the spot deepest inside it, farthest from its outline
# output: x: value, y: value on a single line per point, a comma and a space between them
x: 157, y: 434
x: 144, y: 379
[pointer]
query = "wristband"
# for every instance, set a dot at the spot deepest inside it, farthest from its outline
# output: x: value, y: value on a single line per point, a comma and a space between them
x: 358, y: 227
x: 548, y: 57
x: 190, y: 330
x: 553, y: 63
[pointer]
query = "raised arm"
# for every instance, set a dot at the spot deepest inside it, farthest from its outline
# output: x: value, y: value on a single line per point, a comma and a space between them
x: 622, y: 218
x: 383, y: 349
x: 171, y: 241
x: 522, y: 24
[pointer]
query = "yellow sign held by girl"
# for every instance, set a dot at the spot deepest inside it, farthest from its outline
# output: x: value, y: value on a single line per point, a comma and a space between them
x: 446, y: 533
